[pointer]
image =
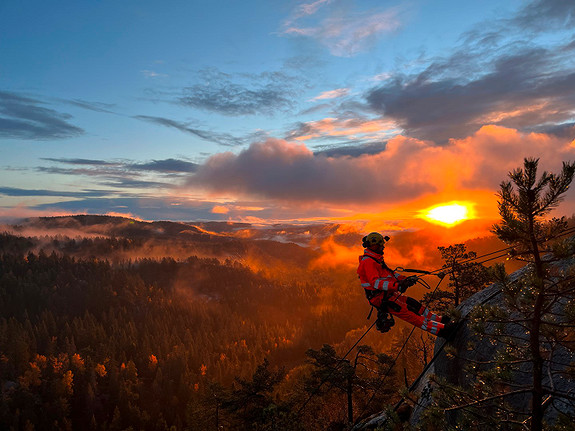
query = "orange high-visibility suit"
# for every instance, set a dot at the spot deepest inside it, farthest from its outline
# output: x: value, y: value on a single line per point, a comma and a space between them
x: 381, y: 286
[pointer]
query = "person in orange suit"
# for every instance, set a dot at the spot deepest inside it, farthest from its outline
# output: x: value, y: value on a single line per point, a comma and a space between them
x: 385, y: 289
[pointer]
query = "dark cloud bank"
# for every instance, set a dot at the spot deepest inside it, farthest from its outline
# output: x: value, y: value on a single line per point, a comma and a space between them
x: 429, y: 107
x: 529, y: 84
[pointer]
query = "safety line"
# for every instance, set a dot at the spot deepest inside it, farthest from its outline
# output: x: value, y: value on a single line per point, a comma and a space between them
x: 413, y: 385
x: 465, y: 318
x: 459, y: 323
x: 563, y: 233
x: 334, y: 369
x: 416, y: 382
x: 392, y: 365
x: 503, y: 253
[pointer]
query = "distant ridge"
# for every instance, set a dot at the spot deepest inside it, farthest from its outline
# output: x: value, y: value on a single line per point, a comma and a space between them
x: 111, y: 226
x: 222, y: 239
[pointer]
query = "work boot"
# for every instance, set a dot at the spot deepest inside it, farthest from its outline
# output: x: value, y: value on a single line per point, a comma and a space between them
x: 384, y: 322
x: 448, y: 331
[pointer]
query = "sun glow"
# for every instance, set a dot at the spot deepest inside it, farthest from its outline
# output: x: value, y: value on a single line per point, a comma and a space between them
x: 449, y: 214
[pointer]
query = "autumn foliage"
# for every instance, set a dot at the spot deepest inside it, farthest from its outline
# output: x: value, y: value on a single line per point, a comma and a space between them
x: 90, y: 343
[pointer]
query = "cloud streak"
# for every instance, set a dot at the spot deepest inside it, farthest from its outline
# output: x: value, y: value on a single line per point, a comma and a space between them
x: 80, y: 161
x: 541, y: 14
x: 92, y: 106
x: 343, y: 31
x: 247, y: 94
x: 307, y: 9
x: 333, y: 94
x: 22, y: 117
x: 224, y: 139
x: 165, y: 166
x: 121, y: 174
x: 12, y: 191
x: 116, y: 178
x: 354, y: 129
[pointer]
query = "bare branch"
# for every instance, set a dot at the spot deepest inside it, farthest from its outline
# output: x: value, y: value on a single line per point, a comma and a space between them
x: 492, y: 398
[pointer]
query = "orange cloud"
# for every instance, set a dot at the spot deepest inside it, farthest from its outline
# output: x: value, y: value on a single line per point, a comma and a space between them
x: 333, y: 94
x: 498, y: 116
x: 353, y: 128
x: 220, y: 209
x: 286, y: 171
x: 396, y: 183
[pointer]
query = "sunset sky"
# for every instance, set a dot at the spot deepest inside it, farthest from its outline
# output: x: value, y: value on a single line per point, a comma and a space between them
x: 266, y: 111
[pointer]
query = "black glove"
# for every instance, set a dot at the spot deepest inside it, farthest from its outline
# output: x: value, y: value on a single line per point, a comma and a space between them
x: 407, y: 282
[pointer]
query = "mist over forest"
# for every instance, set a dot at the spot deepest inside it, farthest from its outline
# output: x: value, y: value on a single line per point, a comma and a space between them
x: 109, y: 322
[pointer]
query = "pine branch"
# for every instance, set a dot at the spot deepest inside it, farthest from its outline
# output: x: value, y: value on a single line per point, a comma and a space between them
x: 557, y: 325
x: 492, y: 398
x: 563, y: 395
x: 523, y: 424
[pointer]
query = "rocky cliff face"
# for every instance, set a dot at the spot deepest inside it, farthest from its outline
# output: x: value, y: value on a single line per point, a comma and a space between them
x: 467, y: 347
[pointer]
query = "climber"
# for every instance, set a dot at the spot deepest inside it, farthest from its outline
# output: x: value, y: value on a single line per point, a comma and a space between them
x: 384, y: 290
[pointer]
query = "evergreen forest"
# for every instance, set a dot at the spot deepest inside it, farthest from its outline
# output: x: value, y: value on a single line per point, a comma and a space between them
x: 91, y: 339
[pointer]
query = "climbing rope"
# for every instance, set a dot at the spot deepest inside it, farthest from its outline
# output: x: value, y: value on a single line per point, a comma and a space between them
x: 393, y: 363
x: 497, y: 254
x: 334, y: 369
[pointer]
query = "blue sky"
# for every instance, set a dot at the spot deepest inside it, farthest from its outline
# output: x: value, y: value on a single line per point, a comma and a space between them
x: 282, y: 110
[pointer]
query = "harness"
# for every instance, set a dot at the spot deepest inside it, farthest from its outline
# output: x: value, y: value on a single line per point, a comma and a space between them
x: 385, y: 320
x: 382, y: 263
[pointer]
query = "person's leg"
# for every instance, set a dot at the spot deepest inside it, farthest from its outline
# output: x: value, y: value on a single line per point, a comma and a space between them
x: 418, y: 308
x: 400, y: 306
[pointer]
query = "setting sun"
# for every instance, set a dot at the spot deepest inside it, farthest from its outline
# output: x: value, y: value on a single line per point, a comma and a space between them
x: 449, y: 214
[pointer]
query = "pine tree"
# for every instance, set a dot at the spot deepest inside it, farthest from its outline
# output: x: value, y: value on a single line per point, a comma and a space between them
x: 253, y: 400
x: 363, y: 378
x: 466, y: 277
x: 532, y: 322
x: 522, y: 209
